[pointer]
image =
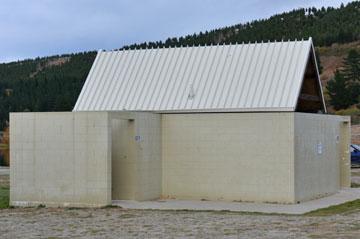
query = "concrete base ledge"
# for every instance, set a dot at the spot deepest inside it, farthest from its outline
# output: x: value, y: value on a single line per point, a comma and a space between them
x: 343, y: 196
x: 53, y: 204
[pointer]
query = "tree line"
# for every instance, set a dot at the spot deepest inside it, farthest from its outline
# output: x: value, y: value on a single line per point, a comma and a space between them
x: 325, y: 25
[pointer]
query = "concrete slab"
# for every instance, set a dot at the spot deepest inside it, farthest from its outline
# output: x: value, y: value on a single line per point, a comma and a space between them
x: 342, y: 196
x: 4, y: 170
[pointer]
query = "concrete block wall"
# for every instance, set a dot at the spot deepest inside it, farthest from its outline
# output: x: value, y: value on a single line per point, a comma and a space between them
x: 66, y: 159
x: 318, y: 155
x: 60, y: 159
x: 232, y: 156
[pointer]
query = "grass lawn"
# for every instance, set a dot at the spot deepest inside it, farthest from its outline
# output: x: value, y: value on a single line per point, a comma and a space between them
x: 4, y: 197
x: 349, y: 207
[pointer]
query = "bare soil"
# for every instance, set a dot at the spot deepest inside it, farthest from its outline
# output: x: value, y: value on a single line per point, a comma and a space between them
x: 355, y: 134
x: 332, y: 58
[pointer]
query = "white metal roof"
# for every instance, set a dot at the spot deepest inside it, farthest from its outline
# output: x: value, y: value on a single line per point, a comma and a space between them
x: 239, y: 77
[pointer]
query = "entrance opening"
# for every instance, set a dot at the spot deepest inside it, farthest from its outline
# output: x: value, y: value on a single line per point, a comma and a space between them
x: 123, y: 175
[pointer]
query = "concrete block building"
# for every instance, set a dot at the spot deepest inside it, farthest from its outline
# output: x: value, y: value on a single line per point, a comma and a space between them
x: 243, y: 122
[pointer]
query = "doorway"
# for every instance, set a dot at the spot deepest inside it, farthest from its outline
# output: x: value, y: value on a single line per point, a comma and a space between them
x: 123, y: 175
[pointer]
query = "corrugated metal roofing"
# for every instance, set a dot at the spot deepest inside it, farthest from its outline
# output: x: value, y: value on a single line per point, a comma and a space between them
x: 240, y: 77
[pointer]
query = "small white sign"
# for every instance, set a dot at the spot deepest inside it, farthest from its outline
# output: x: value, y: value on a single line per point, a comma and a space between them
x: 319, y: 148
x: 137, y: 138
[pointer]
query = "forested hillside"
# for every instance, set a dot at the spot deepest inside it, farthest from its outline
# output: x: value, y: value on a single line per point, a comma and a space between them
x: 53, y: 83
x: 325, y: 25
x: 46, y: 84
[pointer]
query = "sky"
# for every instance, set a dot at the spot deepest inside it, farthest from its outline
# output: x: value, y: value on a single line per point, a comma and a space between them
x: 31, y: 28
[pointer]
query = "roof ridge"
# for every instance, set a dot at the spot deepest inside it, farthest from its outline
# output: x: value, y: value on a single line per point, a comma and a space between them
x: 210, y: 45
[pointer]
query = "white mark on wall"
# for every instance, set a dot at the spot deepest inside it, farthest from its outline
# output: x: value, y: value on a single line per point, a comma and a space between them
x: 191, y: 92
x: 319, y: 148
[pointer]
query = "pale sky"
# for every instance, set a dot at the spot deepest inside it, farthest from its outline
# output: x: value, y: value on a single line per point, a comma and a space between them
x: 31, y: 28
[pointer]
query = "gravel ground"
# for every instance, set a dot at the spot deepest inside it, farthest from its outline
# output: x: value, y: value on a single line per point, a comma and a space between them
x: 121, y: 223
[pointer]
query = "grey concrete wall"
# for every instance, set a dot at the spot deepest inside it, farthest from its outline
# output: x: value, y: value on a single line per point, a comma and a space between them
x: 136, y: 146
x: 345, y: 155
x: 148, y: 151
x: 319, y: 147
x: 230, y: 156
x: 60, y: 159
x: 87, y: 159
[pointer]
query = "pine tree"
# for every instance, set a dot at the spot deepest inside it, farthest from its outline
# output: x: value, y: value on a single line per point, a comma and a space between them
x: 338, y: 92
x: 344, y: 88
x: 351, y: 73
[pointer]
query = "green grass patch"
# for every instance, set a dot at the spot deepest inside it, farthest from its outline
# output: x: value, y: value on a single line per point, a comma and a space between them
x: 348, y: 207
x: 355, y: 185
x: 4, y: 197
